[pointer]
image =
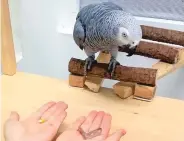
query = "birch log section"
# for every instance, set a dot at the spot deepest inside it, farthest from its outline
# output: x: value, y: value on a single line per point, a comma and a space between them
x: 145, y: 76
x: 143, y: 92
x: 76, y: 81
x: 163, y: 35
x: 124, y: 89
x: 165, y: 53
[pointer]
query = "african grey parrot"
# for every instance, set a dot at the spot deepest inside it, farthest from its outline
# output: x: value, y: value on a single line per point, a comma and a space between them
x: 105, y: 27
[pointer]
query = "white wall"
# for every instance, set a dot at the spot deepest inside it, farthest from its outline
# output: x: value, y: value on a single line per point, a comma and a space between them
x: 47, y: 51
x: 15, y: 16
x: 160, y: 9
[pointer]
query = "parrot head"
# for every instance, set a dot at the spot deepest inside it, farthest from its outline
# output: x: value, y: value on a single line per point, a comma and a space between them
x: 130, y: 38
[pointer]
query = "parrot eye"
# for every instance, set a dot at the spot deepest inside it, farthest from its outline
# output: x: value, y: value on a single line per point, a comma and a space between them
x: 124, y: 35
x: 133, y: 42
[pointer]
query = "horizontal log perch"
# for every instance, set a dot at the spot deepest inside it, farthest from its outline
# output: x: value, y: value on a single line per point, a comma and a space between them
x: 163, y: 35
x: 145, y: 76
x: 163, y: 52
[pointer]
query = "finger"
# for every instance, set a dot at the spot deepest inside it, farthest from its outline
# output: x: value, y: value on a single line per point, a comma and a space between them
x: 59, y: 112
x: 89, y: 120
x: 60, y: 106
x: 14, y: 116
x: 106, y: 125
x: 43, y: 109
x: 76, y: 125
x: 57, y: 120
x: 97, y: 121
x: 116, y: 136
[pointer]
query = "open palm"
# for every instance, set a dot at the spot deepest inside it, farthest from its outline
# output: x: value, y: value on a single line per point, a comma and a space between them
x: 93, y: 121
x: 30, y: 129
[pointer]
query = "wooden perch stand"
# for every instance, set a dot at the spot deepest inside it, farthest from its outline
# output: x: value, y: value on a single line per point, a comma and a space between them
x: 136, y: 82
x: 145, y: 76
x: 165, y: 53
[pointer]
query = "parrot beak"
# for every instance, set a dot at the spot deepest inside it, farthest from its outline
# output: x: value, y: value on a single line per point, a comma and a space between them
x: 81, y: 47
x: 132, y: 51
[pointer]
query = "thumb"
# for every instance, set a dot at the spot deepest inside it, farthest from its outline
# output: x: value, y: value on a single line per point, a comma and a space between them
x: 14, y: 116
x: 116, y: 136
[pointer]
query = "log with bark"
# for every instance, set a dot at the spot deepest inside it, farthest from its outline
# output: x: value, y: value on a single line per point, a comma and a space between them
x: 145, y: 76
x: 165, y: 53
x: 163, y: 35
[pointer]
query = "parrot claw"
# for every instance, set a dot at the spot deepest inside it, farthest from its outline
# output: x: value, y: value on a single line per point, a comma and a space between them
x: 88, y: 64
x: 112, y: 65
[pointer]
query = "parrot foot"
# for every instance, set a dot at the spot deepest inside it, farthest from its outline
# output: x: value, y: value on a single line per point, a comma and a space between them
x: 112, y: 66
x: 88, y: 64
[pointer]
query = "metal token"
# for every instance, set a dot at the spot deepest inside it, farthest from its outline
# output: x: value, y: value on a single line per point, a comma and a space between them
x: 90, y: 134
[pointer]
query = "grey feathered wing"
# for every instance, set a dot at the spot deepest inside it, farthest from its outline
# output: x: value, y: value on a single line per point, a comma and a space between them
x: 79, y: 33
x: 85, y: 18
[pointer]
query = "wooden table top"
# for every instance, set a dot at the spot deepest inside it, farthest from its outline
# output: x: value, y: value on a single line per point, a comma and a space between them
x: 159, y: 120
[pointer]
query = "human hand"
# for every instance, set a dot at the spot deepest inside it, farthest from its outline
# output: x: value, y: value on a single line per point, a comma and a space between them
x: 93, y: 121
x: 30, y: 129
